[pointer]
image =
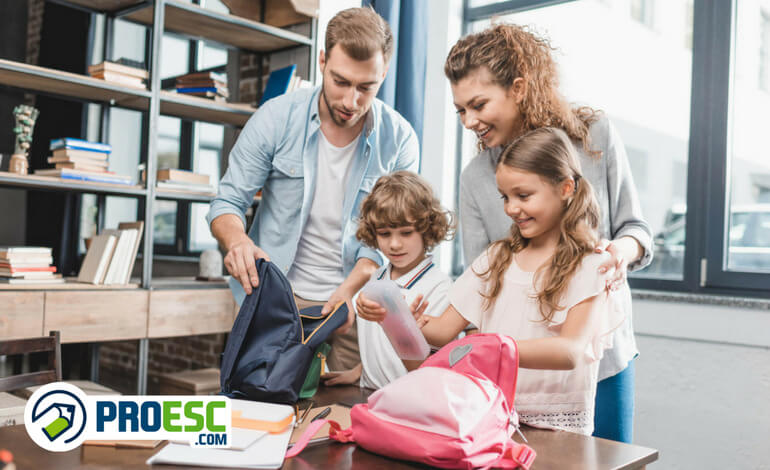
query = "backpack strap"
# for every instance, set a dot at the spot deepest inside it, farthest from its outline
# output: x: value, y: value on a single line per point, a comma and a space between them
x: 515, y: 456
x: 335, y: 432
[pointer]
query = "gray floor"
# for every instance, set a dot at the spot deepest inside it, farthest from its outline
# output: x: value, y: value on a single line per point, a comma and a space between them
x: 703, y: 405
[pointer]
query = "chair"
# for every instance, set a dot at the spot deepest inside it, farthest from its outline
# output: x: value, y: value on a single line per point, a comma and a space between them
x: 50, y: 344
x: 12, y: 407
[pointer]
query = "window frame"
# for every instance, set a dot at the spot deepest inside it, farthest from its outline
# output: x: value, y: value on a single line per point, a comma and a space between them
x: 708, y: 158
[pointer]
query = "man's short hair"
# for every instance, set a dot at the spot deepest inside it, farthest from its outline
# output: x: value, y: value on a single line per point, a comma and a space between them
x: 361, y: 32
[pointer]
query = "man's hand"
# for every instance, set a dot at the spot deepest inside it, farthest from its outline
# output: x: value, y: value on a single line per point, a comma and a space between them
x: 344, y: 377
x: 342, y: 294
x: 369, y: 309
x: 240, y: 262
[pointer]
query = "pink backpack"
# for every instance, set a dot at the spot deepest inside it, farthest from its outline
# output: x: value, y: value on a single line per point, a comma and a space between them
x: 455, y: 411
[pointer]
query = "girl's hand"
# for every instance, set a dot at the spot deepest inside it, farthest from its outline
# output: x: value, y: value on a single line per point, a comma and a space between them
x: 417, y: 308
x: 344, y: 377
x: 423, y: 320
x: 616, y: 262
x: 369, y: 309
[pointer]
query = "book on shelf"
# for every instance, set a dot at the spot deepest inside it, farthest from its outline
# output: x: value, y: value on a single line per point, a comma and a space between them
x: 79, y: 144
x: 101, y: 164
x: 57, y: 279
x: 278, y: 82
x: 204, y: 89
x: 21, y: 270
x: 139, y: 227
x: 183, y: 176
x: 201, y: 83
x: 79, y: 175
x: 182, y: 186
x: 26, y: 263
x: 111, y: 255
x: 7, y: 251
x: 121, y: 79
x: 116, y: 271
x: 82, y: 166
x: 200, y: 76
x: 68, y: 154
x: 29, y: 274
x: 108, y: 66
x: 97, y: 259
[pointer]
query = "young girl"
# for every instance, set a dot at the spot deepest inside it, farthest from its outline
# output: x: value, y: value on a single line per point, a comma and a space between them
x: 505, y: 83
x: 541, y: 285
x: 402, y: 218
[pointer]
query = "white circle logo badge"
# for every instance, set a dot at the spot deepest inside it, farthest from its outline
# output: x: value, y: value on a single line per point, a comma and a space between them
x: 55, y: 417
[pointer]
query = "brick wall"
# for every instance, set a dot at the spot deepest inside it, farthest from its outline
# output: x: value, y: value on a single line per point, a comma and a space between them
x: 249, y: 77
x: 117, y: 361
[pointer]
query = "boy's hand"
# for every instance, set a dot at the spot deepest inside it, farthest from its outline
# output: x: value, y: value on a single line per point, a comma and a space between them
x: 369, y: 309
x: 344, y: 377
x: 423, y: 320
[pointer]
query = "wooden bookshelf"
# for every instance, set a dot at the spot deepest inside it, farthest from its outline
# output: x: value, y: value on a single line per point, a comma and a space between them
x: 203, y: 109
x: 70, y: 283
x: 110, y: 6
x: 186, y: 283
x: 59, y: 184
x: 197, y: 22
x: 72, y: 85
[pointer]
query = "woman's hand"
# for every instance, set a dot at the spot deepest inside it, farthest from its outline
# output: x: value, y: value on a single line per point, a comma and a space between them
x: 369, y: 309
x: 344, y: 377
x: 618, y: 262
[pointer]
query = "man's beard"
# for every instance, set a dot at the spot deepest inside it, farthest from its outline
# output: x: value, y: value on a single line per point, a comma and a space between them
x: 338, y: 122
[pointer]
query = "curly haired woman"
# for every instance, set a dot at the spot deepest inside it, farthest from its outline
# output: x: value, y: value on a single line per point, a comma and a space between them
x: 505, y: 84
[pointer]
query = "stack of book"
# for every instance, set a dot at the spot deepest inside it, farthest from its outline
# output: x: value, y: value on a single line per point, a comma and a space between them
x: 27, y: 265
x: 77, y: 159
x: 183, y: 180
x: 206, y: 84
x: 120, y: 74
x: 111, y: 255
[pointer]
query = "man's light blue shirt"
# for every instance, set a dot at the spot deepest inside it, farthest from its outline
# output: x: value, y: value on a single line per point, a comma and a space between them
x: 277, y: 152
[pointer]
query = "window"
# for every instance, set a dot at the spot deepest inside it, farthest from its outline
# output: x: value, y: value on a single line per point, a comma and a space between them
x: 764, y: 50
x: 690, y: 101
x: 180, y: 228
x: 626, y: 83
x: 748, y: 244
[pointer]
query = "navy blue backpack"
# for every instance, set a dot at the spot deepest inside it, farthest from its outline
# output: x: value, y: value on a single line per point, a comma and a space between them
x: 271, y: 345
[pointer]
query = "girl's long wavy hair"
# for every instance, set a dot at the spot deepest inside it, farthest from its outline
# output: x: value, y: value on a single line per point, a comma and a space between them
x: 509, y: 52
x: 548, y: 153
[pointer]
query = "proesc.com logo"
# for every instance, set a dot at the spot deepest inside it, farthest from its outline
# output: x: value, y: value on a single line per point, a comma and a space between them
x: 55, y: 417
x: 59, y: 417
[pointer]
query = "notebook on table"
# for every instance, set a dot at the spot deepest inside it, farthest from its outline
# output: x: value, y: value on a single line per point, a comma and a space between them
x: 250, y: 448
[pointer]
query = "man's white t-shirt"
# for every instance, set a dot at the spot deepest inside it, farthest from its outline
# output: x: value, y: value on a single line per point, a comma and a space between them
x: 317, y: 269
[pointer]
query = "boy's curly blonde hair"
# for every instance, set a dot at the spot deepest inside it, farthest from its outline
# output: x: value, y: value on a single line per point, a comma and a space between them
x: 400, y: 199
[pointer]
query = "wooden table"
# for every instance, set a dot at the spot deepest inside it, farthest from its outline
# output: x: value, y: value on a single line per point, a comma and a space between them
x: 555, y: 450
